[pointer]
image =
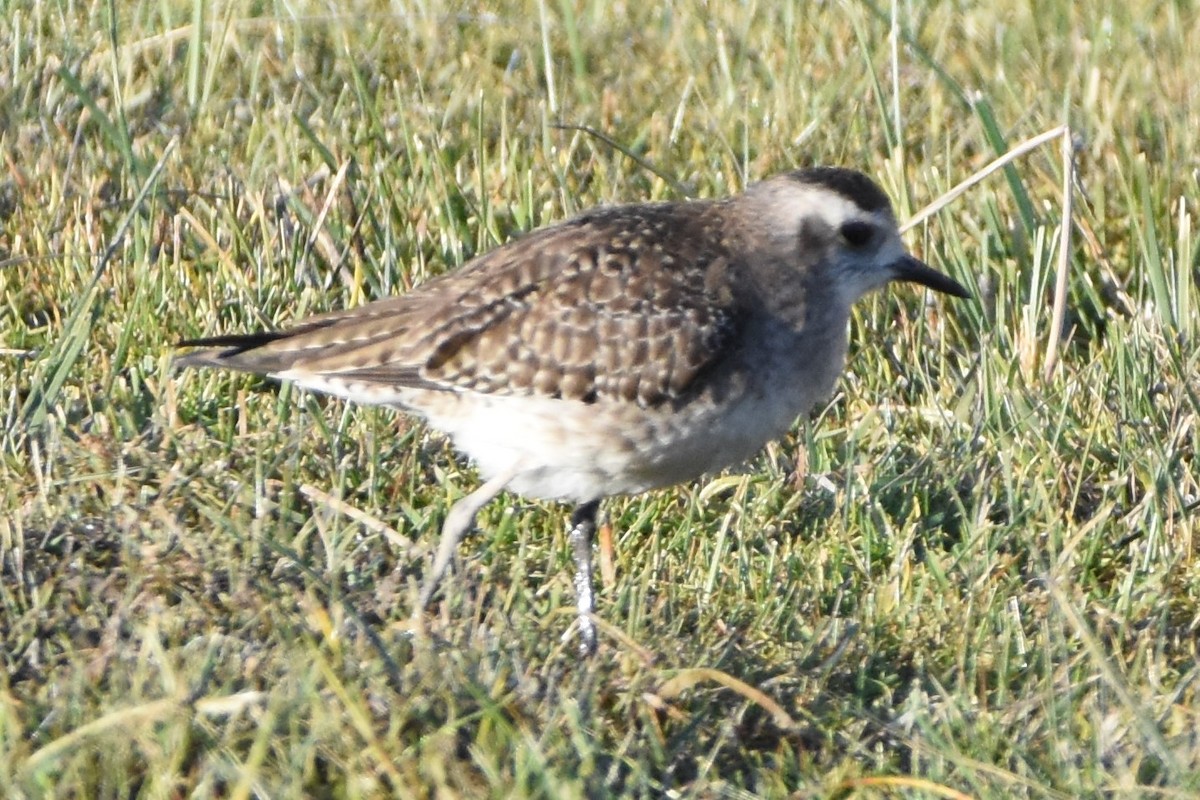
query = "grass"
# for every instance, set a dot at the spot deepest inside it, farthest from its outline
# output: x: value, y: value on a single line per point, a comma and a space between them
x: 958, y: 578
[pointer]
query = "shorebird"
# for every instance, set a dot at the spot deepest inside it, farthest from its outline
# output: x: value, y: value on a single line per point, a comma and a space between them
x: 630, y: 348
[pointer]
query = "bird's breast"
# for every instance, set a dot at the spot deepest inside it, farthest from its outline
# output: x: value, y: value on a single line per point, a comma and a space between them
x: 567, y: 449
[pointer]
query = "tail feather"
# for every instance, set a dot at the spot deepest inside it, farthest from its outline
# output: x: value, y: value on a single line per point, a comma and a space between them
x: 223, y: 351
x: 238, y: 342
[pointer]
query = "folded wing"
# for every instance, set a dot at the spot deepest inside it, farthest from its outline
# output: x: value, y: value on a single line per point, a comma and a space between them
x: 618, y: 304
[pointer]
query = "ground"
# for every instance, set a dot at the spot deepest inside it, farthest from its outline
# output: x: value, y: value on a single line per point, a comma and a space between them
x: 974, y: 572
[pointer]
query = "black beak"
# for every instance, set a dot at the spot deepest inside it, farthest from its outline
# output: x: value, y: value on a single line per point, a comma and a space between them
x: 916, y: 271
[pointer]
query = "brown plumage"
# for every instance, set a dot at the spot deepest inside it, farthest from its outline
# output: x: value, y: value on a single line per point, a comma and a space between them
x: 629, y: 348
x: 628, y: 304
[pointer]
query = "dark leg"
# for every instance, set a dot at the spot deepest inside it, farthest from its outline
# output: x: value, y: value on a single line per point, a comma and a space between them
x: 583, y: 529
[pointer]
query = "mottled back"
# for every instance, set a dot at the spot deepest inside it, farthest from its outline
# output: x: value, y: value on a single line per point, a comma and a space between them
x: 627, y: 303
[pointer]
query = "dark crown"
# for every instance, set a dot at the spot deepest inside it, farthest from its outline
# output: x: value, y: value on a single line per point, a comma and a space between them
x: 851, y: 184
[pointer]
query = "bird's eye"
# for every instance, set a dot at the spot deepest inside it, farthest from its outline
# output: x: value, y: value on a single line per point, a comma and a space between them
x: 857, y: 233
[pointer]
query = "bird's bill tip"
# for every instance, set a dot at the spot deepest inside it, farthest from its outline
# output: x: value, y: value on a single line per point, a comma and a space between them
x: 914, y: 270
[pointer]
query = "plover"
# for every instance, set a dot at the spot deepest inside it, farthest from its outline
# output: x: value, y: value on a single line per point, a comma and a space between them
x: 630, y: 348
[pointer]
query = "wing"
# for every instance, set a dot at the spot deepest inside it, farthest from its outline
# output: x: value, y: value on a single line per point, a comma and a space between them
x: 630, y: 303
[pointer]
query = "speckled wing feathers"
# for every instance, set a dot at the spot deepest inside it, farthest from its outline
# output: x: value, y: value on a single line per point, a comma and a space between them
x: 629, y: 304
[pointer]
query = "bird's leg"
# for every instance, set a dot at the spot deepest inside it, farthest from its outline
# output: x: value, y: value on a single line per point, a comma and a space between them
x: 460, y: 520
x: 583, y: 528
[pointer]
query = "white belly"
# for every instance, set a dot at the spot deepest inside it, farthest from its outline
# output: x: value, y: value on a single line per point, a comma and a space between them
x: 570, y: 450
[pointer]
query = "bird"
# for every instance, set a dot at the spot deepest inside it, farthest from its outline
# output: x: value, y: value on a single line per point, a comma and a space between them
x: 629, y: 348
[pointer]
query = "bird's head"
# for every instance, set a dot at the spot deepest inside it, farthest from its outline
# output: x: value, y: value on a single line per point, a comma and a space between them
x: 836, y: 227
